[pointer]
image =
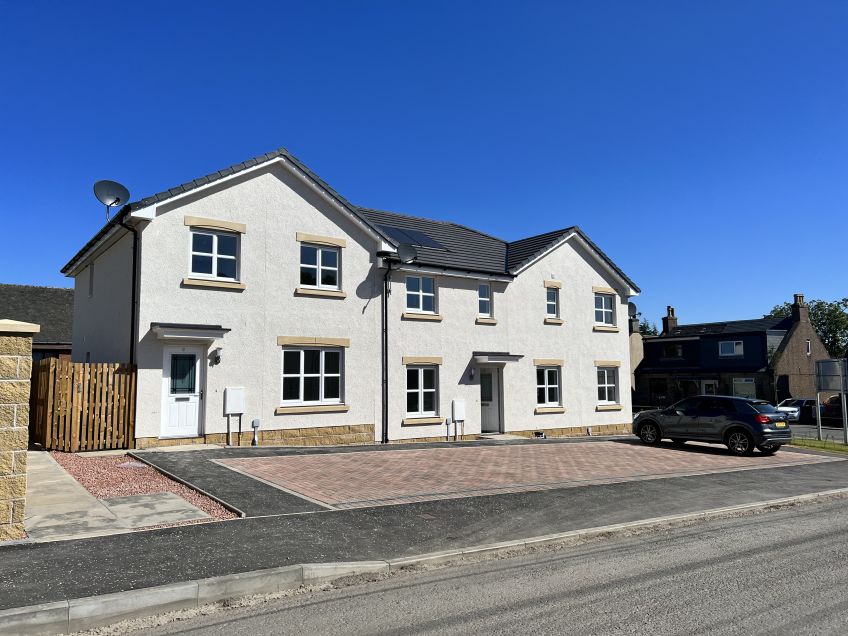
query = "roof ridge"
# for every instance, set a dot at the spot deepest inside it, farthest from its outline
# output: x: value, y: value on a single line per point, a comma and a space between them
x: 35, y: 286
x: 476, y: 231
x: 406, y: 216
x: 535, y: 236
x: 725, y: 322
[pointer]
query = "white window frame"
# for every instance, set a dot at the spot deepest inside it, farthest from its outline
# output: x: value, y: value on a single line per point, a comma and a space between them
x: 487, y: 298
x: 321, y: 375
x: 607, y: 314
x: 420, y: 368
x: 555, y: 302
x: 609, y: 384
x: 738, y: 349
x: 214, y: 254
x: 809, y: 347
x: 546, y: 384
x: 420, y: 294
x: 319, y: 266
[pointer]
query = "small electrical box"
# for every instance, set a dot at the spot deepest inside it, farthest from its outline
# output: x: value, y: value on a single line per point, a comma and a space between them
x: 234, y: 400
x: 256, y: 423
x: 458, y: 410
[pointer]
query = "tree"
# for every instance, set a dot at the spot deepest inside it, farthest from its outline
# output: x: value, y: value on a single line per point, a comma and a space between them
x: 648, y: 328
x: 829, y: 319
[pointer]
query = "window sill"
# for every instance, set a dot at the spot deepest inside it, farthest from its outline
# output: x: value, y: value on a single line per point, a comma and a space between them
x: 607, y: 328
x: 541, y: 410
x: 485, y: 321
x: 312, y: 408
x: 609, y: 407
x: 554, y: 321
x: 207, y: 282
x: 320, y: 293
x: 422, y: 421
x: 410, y: 315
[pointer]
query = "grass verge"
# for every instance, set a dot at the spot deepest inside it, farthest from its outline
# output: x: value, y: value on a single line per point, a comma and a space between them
x: 827, y: 445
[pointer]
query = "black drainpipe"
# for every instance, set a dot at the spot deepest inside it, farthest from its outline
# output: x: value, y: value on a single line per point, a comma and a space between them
x: 133, y: 292
x: 385, y: 423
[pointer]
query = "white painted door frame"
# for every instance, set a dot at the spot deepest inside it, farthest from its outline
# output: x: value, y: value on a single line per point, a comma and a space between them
x: 190, y: 406
x: 491, y: 409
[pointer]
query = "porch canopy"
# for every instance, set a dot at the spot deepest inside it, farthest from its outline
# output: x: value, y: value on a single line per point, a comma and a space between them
x: 184, y: 331
x: 494, y: 357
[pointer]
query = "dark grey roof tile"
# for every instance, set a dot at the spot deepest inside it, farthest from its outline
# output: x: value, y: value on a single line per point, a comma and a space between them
x: 50, y: 307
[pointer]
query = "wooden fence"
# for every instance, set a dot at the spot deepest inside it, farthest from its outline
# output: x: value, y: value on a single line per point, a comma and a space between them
x: 78, y: 406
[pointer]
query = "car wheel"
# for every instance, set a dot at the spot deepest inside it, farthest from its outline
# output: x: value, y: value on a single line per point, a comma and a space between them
x: 740, y: 442
x: 769, y: 449
x: 649, y: 433
x: 677, y: 441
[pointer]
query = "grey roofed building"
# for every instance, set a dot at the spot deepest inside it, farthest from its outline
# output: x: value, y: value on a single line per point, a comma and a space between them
x: 50, y: 307
x: 459, y: 247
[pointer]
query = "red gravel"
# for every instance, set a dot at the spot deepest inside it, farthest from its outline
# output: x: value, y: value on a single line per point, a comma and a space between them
x: 120, y: 475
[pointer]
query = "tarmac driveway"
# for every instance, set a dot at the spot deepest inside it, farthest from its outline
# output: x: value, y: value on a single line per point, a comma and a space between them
x: 286, y: 481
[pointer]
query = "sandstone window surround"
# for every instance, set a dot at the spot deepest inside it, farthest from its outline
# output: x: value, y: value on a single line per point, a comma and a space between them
x: 608, y: 392
x: 214, y: 253
x: 548, y: 385
x: 422, y: 390
x: 320, y: 266
x: 312, y: 375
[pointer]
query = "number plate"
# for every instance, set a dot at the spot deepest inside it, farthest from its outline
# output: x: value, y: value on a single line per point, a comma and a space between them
x: 780, y: 424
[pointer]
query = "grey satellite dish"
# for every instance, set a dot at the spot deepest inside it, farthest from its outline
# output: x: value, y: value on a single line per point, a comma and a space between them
x: 631, y: 310
x: 111, y: 194
x: 406, y: 253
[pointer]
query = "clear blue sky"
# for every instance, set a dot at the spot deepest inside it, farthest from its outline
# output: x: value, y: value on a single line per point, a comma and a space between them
x: 702, y: 145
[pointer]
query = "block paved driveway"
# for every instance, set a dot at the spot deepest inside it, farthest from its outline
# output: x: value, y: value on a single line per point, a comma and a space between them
x: 376, y: 478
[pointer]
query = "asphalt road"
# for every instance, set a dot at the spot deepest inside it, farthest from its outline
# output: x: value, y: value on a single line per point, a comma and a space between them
x: 777, y: 572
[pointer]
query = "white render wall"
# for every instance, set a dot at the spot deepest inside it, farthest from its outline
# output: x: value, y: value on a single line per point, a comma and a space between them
x: 274, y: 205
x: 101, y: 325
x: 519, y: 308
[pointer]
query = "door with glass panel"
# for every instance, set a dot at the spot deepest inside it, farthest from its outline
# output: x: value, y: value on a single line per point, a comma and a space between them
x: 490, y: 406
x: 182, y: 391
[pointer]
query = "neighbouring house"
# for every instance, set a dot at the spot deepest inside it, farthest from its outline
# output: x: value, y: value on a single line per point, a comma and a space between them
x: 770, y: 358
x: 346, y: 324
x: 50, y: 307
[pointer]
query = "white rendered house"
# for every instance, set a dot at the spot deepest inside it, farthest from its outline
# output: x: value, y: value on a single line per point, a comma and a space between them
x: 261, y: 276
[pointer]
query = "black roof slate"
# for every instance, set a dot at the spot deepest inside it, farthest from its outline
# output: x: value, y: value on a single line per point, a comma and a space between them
x: 465, y: 248
x: 50, y: 307
x: 756, y: 325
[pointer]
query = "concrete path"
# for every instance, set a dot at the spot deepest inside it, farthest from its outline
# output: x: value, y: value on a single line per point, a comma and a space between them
x: 58, y: 507
x: 54, y: 571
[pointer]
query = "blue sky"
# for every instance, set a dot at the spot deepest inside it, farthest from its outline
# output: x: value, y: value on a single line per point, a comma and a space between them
x: 702, y: 145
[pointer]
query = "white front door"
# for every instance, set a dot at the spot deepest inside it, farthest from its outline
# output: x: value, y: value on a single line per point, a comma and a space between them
x: 182, y: 391
x: 490, y: 401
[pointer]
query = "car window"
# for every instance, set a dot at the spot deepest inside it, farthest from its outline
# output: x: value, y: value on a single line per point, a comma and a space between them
x: 763, y: 407
x: 787, y: 402
x: 689, y: 404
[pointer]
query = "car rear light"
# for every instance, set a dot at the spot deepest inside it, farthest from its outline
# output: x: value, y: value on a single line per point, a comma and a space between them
x: 762, y: 419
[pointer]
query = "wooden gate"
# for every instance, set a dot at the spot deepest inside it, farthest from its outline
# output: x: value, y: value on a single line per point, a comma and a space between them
x: 77, y: 406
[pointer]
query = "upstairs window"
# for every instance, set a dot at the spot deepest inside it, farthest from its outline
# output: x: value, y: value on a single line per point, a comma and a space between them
x: 484, y: 300
x: 730, y: 348
x: 607, y: 385
x: 421, y: 294
x: 547, y: 386
x: 319, y: 267
x: 672, y: 351
x: 604, y: 311
x: 809, y: 347
x: 214, y: 255
x: 552, y: 302
x: 312, y: 376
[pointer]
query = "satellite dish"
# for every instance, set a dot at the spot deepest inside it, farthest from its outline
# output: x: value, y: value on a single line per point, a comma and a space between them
x: 111, y: 194
x: 631, y: 310
x: 407, y: 253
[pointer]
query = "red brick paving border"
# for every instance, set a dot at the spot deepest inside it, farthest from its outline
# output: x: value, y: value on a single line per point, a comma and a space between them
x: 373, y: 478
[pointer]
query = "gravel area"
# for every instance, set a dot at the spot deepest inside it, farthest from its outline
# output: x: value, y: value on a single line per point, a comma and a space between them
x: 121, y: 475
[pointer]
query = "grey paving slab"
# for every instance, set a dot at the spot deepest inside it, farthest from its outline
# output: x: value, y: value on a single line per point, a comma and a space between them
x: 53, y: 571
x: 139, y: 511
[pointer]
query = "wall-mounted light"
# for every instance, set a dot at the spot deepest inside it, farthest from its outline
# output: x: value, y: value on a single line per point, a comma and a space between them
x: 471, y: 373
x: 216, y: 356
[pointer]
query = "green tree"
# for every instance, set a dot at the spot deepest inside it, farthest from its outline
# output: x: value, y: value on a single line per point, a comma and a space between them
x: 829, y: 319
x: 648, y: 328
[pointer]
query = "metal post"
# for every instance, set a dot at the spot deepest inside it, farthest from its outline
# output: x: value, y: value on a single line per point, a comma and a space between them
x: 818, y: 415
x: 843, y: 372
x: 229, y: 434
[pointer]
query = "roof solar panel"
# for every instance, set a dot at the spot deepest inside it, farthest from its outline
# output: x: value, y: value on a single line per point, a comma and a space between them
x: 413, y: 237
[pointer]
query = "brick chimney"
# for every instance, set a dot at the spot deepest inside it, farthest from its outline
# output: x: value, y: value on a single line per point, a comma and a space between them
x: 800, y: 311
x: 669, y: 321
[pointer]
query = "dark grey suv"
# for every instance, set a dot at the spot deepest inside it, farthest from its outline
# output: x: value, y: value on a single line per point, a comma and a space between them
x: 739, y: 423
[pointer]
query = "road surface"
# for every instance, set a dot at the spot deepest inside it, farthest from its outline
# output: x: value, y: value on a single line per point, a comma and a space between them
x: 777, y: 572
